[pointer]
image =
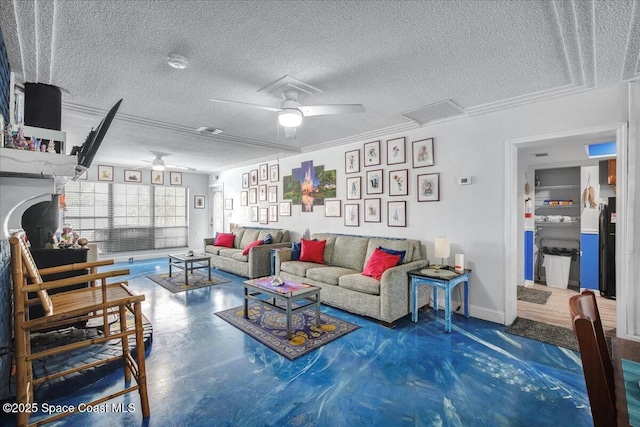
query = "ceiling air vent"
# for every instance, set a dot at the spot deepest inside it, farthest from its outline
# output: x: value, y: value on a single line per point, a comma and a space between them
x: 204, y: 130
x: 434, y: 112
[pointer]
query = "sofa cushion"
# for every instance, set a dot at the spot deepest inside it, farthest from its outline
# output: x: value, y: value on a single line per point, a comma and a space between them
x: 349, y: 252
x: 239, y: 256
x: 395, y: 244
x: 393, y: 252
x: 312, y: 251
x: 360, y: 283
x: 379, y: 262
x: 228, y: 252
x: 298, y: 268
x: 250, y: 245
x: 225, y: 240
x: 239, y: 232
x: 210, y: 249
x: 250, y: 235
x: 328, y: 275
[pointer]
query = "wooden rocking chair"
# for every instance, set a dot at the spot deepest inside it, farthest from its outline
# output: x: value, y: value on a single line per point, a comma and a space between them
x: 67, y: 308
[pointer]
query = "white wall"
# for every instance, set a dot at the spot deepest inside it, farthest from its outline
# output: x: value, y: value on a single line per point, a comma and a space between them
x: 471, y: 216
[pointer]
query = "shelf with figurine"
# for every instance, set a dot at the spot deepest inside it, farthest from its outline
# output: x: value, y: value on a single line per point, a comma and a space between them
x: 29, y: 138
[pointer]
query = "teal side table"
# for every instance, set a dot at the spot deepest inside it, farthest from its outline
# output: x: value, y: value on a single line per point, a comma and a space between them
x: 444, y: 279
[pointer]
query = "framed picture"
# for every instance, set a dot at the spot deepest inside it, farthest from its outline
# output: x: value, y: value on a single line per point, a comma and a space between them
x: 253, y: 196
x: 372, y: 210
x: 399, y: 182
x: 198, y: 202
x: 273, y: 213
x: 262, y: 192
x: 333, y: 208
x: 351, y: 215
x: 352, y: 161
x: 285, y: 208
x: 372, y: 154
x: 254, y: 214
x: 422, y: 153
x: 397, y: 214
x: 429, y: 187
x: 396, y: 151
x: 264, y: 216
x: 274, y: 173
x: 228, y: 204
x: 245, y: 180
x: 272, y: 194
x: 175, y: 178
x: 244, y: 198
x: 264, y: 172
x: 354, y: 189
x: 132, y: 176
x: 374, y: 182
x: 253, y: 177
x: 157, y: 177
x: 105, y: 173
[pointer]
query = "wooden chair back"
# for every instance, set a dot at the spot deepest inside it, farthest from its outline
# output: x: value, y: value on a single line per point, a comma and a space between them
x: 29, y: 271
x: 596, y: 361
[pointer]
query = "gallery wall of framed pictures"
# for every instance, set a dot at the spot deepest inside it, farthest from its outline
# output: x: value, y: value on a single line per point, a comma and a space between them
x: 380, y: 179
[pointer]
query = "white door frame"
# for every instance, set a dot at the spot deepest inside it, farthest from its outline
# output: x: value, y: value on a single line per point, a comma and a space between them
x: 515, y: 210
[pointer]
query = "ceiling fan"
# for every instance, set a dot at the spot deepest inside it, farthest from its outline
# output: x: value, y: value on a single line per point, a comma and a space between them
x: 158, y: 163
x: 290, y: 112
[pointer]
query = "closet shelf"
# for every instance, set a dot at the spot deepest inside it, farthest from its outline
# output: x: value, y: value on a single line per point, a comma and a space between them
x: 541, y: 206
x: 557, y: 187
x: 557, y: 224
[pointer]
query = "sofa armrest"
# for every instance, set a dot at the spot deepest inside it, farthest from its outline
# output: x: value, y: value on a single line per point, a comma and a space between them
x: 208, y: 241
x: 394, y: 289
x: 282, y: 255
x: 259, y: 259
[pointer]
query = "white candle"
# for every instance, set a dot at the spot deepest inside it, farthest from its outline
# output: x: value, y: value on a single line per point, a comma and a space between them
x: 459, y: 262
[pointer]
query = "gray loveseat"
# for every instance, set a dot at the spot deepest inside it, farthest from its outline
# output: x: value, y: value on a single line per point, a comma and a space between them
x: 257, y: 263
x: 343, y: 285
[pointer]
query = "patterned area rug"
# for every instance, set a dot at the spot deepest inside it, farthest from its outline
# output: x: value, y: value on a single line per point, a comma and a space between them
x: 535, y: 296
x: 175, y: 283
x: 270, y: 328
x: 556, y: 335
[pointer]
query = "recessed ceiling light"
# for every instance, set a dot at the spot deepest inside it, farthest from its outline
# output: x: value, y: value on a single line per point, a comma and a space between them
x: 178, y: 62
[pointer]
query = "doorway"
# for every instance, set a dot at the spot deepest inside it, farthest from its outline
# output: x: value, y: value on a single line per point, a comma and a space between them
x: 514, y: 197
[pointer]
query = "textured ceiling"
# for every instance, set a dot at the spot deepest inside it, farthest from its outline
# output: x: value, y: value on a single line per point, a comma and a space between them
x: 393, y: 57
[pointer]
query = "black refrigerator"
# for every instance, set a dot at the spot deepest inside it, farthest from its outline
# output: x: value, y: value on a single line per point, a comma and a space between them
x: 607, y: 239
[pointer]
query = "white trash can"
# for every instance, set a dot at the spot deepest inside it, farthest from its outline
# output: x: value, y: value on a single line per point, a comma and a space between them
x: 557, y: 269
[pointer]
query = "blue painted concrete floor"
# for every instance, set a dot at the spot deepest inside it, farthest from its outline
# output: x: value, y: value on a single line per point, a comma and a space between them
x: 204, y: 372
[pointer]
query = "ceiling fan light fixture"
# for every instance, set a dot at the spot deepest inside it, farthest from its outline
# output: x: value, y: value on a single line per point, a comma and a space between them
x: 290, y: 118
x: 176, y: 61
x: 157, y: 164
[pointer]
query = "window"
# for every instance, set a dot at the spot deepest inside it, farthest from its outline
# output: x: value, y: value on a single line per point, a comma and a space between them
x: 127, y: 217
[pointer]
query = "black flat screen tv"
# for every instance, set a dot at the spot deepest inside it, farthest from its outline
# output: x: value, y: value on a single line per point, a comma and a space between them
x: 88, y: 151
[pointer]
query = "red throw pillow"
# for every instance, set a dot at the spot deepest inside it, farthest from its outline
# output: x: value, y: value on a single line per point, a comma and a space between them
x: 225, y: 239
x: 379, y: 262
x: 312, y: 251
x: 250, y: 245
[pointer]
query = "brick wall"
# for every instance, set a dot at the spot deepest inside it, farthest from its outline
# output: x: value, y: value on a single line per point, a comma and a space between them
x: 4, y: 80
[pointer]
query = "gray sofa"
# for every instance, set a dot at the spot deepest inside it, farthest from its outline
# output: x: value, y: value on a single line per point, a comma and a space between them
x: 257, y: 263
x: 343, y: 285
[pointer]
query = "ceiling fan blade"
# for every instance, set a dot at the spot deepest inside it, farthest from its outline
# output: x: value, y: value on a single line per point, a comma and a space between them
x: 321, y: 110
x: 264, y: 107
x: 289, y: 133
